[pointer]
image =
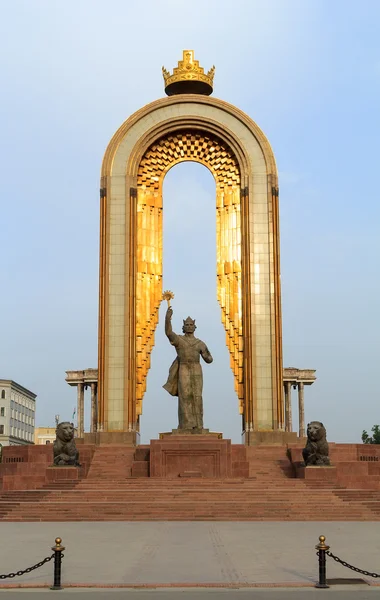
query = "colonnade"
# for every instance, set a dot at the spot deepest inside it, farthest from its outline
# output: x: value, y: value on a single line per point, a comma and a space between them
x: 80, y: 407
x: 292, y: 378
x: 82, y: 380
x: 296, y: 379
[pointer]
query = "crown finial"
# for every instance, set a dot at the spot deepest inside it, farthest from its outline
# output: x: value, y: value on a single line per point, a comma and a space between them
x: 188, y: 77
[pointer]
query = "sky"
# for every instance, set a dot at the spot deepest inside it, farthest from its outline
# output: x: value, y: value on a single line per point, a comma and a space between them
x: 308, y: 73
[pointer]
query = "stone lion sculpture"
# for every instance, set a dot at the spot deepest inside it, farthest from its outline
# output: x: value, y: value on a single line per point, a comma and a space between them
x: 316, y: 451
x: 65, y: 452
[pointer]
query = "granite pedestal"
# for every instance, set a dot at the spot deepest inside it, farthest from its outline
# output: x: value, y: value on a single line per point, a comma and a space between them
x: 190, y: 455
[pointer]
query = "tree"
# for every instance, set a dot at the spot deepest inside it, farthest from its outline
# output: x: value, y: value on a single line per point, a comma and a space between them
x: 375, y: 439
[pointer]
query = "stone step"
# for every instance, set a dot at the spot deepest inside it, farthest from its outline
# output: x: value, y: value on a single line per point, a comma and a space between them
x: 41, y: 496
x: 115, y: 485
x: 191, y: 492
x: 127, y: 513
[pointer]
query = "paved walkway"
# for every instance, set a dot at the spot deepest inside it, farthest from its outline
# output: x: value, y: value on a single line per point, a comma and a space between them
x: 187, y: 552
x: 351, y: 593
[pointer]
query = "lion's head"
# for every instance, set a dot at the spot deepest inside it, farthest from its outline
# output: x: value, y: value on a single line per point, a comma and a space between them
x: 65, y: 431
x: 316, y: 431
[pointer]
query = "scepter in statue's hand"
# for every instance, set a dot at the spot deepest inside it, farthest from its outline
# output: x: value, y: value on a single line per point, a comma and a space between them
x: 168, y: 295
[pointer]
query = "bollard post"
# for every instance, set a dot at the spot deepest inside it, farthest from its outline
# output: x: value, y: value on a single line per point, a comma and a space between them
x: 322, y: 549
x: 58, y: 549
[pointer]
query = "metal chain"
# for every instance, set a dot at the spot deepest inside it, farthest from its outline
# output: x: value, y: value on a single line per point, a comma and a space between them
x: 345, y: 564
x: 29, y: 569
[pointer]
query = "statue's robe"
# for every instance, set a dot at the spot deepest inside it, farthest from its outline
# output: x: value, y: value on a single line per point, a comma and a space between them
x: 186, y: 380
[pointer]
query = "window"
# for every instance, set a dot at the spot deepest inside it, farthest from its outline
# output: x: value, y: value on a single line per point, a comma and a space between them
x: 2, y: 394
x: 2, y: 411
x: 1, y: 429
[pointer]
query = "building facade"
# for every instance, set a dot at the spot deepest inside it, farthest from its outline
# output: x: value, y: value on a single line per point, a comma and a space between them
x: 17, y: 414
x: 47, y: 435
x: 44, y: 435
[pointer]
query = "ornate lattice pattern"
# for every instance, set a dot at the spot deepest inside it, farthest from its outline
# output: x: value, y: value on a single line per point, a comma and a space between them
x: 187, y: 145
x: 178, y: 147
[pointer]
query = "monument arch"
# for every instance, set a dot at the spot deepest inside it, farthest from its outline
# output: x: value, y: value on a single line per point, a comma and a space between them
x: 182, y: 127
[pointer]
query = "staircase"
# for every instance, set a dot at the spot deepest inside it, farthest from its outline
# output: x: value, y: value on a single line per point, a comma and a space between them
x: 111, y: 462
x: 116, y: 486
x: 149, y: 500
x: 109, y: 493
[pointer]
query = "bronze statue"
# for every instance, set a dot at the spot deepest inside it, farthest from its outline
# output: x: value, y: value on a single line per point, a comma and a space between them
x: 185, y: 374
x: 65, y: 451
x: 316, y: 451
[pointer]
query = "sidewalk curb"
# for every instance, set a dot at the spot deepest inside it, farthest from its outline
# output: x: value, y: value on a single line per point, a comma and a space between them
x: 136, y: 586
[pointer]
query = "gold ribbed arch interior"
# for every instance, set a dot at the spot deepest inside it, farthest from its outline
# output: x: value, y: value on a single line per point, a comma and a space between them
x: 162, y: 155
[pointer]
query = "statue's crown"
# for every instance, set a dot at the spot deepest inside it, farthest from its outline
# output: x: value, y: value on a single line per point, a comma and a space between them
x: 188, y: 77
x: 189, y: 321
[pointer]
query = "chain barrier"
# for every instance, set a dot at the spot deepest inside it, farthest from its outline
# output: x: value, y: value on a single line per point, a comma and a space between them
x: 323, y: 550
x: 56, y: 556
x: 29, y: 569
x: 346, y: 564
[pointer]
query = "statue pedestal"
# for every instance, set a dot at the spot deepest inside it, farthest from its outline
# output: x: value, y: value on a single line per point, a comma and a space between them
x: 318, y: 474
x: 193, y: 433
x: 104, y: 438
x: 62, y: 473
x: 190, y: 455
x: 269, y: 438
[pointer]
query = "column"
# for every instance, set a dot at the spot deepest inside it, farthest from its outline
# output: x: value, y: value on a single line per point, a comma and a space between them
x: 301, y: 409
x: 94, y: 407
x: 80, y: 409
x: 288, y: 406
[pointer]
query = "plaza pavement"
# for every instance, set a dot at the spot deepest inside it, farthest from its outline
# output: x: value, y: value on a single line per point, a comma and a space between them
x: 188, y: 553
x: 342, y: 593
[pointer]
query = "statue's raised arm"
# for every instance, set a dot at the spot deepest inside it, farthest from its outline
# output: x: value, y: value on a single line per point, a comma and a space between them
x: 173, y: 337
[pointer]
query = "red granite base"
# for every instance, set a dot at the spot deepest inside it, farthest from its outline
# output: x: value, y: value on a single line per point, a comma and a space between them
x: 357, y: 466
x: 317, y: 474
x: 31, y: 466
x: 179, y: 454
x: 200, y: 478
x: 61, y: 473
x: 354, y: 466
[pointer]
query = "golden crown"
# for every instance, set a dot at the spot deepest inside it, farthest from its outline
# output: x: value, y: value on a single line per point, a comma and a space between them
x: 188, y: 77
